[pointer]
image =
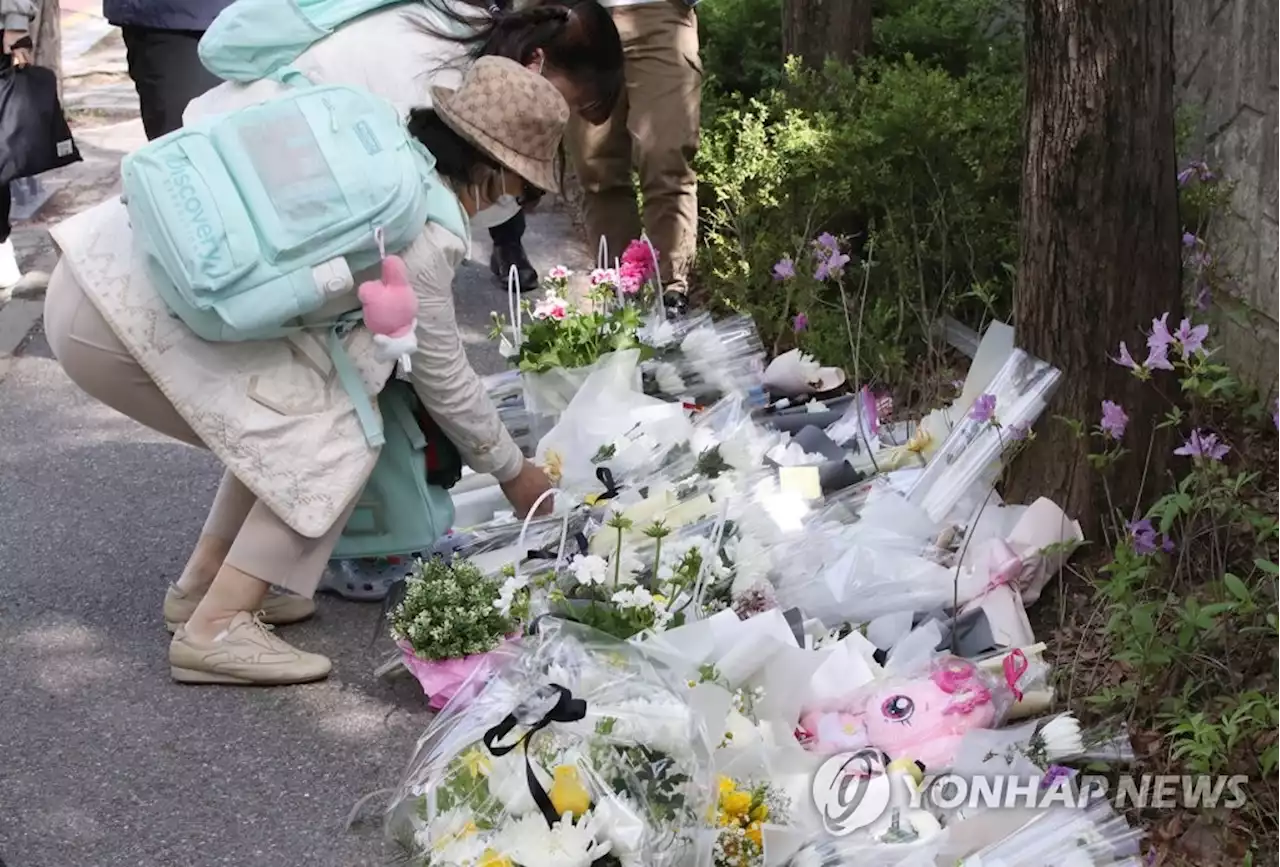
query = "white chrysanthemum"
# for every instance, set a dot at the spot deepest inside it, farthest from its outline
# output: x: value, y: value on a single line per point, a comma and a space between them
x: 463, y: 851
x: 446, y: 828
x: 509, y: 783
x: 530, y: 843
x: 661, y: 725
x: 1062, y: 738
x: 589, y: 569
x: 620, y: 820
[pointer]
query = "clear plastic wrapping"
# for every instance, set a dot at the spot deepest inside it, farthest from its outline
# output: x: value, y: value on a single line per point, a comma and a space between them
x: 1061, y: 835
x: 966, y: 459
x: 577, y: 748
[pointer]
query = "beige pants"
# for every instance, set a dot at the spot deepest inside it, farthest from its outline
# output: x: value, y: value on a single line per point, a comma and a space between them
x: 94, y: 358
x: 654, y: 127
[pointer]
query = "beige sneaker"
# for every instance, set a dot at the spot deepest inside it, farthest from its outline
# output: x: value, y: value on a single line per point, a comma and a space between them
x: 245, y: 653
x: 278, y: 608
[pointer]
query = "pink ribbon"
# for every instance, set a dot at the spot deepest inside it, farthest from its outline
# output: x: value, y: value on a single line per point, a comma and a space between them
x: 1015, y: 666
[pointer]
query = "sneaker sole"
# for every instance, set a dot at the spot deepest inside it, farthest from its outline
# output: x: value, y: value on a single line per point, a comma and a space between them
x: 191, y: 675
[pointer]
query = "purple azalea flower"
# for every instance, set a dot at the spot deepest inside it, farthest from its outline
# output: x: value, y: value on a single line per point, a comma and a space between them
x: 1144, y: 538
x: 1190, y: 338
x: 1203, y: 297
x: 1203, y: 445
x: 1185, y: 176
x: 1124, y: 359
x: 984, y: 408
x: 1054, y: 773
x: 801, y: 322
x: 1114, y: 420
x: 1158, y: 358
x: 1016, y: 432
x: 1160, y: 335
x: 835, y: 265
x: 785, y: 269
x: 1189, y: 239
x: 827, y: 242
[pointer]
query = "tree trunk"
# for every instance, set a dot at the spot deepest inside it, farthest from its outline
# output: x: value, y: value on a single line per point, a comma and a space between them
x: 815, y: 30
x: 1099, y: 236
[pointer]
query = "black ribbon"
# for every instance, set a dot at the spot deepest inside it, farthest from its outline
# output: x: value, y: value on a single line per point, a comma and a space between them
x: 566, y: 709
x: 605, y: 476
x: 547, y: 554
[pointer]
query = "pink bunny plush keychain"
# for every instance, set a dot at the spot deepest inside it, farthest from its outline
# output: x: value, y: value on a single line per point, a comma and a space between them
x: 390, y: 310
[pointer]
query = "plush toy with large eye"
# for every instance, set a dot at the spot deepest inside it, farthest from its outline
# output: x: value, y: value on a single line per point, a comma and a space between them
x: 924, y: 718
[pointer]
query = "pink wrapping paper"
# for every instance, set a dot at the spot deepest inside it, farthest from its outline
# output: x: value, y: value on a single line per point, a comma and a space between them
x: 441, y: 678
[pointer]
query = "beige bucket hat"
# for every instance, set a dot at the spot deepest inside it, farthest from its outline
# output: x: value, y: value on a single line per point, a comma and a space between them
x: 511, y: 113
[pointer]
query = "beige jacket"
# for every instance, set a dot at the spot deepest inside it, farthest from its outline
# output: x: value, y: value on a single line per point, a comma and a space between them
x: 273, y: 411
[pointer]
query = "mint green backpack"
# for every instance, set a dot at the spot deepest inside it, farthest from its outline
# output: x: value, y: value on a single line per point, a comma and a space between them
x: 398, y: 513
x: 253, y: 39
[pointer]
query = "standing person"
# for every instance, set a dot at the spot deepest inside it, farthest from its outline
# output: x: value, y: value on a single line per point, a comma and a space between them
x: 15, y: 17
x: 478, y: 38
x: 160, y: 40
x: 655, y: 128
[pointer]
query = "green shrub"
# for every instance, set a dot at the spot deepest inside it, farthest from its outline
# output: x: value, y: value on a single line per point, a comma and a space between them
x: 741, y: 47
x: 916, y: 167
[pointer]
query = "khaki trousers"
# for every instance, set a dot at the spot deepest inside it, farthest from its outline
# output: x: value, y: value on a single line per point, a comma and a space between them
x: 655, y: 127
x: 94, y: 359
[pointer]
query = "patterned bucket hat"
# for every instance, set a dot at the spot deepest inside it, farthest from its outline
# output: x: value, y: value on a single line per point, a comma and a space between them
x: 511, y: 113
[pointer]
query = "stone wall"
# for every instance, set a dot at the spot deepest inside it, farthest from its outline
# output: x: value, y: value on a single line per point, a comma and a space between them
x: 1226, y: 53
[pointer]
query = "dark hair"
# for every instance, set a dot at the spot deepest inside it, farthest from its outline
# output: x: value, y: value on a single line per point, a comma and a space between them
x: 456, y: 158
x: 577, y: 37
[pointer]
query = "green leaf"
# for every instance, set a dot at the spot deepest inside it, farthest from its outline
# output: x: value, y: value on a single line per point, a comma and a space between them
x: 1268, y: 566
x: 1236, y: 587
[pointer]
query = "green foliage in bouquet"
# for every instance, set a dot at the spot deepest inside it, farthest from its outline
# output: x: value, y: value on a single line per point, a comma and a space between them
x: 448, y: 610
x: 555, y: 333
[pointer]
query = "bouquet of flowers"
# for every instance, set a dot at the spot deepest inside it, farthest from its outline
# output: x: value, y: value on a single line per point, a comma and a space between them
x: 742, y: 810
x: 579, y: 751
x: 451, y: 620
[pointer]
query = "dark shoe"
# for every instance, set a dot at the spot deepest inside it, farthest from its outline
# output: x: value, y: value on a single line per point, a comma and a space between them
x: 676, y: 304
x: 506, y: 255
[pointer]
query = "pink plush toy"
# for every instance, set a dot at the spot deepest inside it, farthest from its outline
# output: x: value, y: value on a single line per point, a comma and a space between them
x: 390, y: 310
x: 921, y: 718
x: 925, y: 719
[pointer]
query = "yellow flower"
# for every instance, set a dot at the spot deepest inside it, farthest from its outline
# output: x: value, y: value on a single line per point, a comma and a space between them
x: 755, y: 834
x: 920, y: 440
x: 726, y: 786
x: 567, y: 793
x: 491, y: 858
x: 736, y: 803
x: 760, y: 813
x: 476, y: 762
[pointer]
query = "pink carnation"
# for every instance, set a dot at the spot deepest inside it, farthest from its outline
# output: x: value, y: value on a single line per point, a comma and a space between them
x: 640, y: 255
x: 631, y: 277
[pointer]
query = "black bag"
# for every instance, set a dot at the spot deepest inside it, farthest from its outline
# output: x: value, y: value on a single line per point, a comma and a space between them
x: 34, y: 136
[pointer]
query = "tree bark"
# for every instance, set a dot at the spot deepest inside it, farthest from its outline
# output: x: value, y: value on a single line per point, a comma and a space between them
x: 815, y: 30
x: 1100, y: 251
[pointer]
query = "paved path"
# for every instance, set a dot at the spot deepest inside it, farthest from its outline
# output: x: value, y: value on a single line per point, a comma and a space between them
x: 104, y: 762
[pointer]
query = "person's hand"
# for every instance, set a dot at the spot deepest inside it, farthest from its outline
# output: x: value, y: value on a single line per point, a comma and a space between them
x: 525, y: 488
x: 21, y: 56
